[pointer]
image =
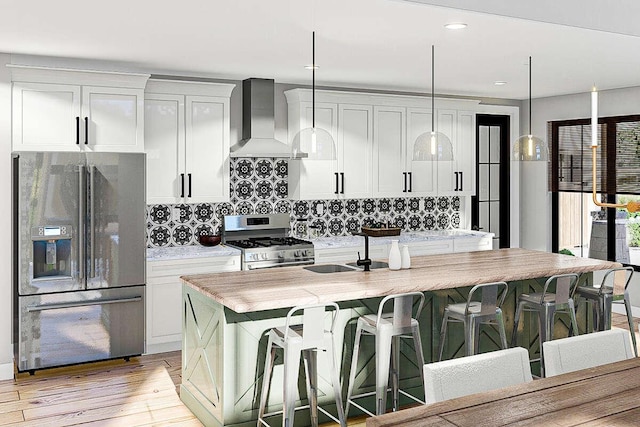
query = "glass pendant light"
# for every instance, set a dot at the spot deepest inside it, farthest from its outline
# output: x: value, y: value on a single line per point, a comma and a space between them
x: 430, y: 146
x: 529, y: 147
x: 313, y: 143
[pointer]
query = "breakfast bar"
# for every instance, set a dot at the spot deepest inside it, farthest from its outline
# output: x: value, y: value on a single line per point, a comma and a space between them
x: 226, y: 317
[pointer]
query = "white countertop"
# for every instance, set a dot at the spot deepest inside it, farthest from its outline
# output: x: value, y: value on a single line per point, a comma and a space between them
x: 198, y: 251
x: 190, y: 251
x: 404, y: 237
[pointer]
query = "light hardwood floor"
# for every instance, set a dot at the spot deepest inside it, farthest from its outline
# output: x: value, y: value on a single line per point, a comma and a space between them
x: 141, y: 392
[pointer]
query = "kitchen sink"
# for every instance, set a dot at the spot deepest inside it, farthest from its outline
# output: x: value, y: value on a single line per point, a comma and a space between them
x: 328, y: 268
x: 374, y: 264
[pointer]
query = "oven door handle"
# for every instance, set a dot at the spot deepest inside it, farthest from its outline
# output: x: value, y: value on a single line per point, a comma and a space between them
x: 281, y: 264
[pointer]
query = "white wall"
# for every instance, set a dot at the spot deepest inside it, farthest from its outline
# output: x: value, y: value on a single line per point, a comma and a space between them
x: 535, y: 205
x: 6, y: 349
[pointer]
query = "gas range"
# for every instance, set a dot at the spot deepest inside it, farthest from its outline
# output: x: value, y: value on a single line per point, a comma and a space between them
x: 264, y: 242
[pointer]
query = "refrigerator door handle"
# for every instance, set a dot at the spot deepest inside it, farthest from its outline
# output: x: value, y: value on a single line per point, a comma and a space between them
x: 92, y: 223
x: 81, y: 226
x: 43, y: 307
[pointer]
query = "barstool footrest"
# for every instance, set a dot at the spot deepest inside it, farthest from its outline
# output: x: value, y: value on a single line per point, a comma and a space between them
x: 373, y: 393
x: 297, y: 408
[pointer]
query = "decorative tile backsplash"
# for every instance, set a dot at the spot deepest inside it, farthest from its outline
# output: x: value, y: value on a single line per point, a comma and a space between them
x: 260, y: 186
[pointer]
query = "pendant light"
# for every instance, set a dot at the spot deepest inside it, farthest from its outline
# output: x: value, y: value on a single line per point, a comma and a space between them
x: 312, y: 142
x: 433, y: 146
x: 631, y: 206
x: 529, y: 147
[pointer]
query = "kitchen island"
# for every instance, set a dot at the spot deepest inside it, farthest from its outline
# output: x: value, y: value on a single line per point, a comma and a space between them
x: 226, y: 317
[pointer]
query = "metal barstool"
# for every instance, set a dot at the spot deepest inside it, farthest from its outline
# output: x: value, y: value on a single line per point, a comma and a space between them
x: 387, y: 329
x: 304, y: 340
x: 547, y: 304
x: 474, y: 313
x: 613, y: 289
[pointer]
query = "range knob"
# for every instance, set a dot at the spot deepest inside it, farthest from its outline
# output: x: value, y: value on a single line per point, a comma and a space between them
x: 263, y: 255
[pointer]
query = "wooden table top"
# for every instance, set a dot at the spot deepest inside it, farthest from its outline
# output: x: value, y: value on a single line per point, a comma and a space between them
x: 602, y: 396
x: 272, y: 288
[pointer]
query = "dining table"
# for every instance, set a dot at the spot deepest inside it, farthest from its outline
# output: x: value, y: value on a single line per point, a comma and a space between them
x: 606, y: 395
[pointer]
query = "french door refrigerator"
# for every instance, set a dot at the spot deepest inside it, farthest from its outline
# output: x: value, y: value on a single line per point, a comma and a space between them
x: 79, y: 257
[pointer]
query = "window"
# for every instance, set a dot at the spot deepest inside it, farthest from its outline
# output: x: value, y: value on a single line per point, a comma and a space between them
x: 580, y: 226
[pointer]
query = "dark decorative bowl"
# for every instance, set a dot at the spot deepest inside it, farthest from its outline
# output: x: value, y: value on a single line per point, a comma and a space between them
x: 208, y: 240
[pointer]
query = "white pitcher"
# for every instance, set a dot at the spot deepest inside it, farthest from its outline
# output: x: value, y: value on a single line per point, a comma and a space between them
x: 405, y: 257
x: 395, y: 259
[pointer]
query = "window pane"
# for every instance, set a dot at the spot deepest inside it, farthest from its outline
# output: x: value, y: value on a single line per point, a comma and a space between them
x: 575, y: 223
x: 628, y: 158
x: 628, y: 232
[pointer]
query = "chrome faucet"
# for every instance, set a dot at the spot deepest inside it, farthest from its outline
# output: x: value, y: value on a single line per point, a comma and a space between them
x: 366, y: 261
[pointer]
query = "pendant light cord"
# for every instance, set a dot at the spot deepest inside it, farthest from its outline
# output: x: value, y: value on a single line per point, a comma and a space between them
x: 433, y: 79
x: 530, y: 96
x: 313, y: 80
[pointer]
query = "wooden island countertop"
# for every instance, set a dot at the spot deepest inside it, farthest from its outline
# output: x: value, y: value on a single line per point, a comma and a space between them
x: 274, y: 288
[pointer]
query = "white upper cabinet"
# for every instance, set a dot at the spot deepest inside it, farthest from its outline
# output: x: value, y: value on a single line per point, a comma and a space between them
x: 390, y: 176
x: 466, y: 149
x: 421, y: 174
x: 354, y: 150
x: 349, y: 175
x: 376, y: 134
x: 74, y: 110
x: 313, y: 179
x: 187, y: 133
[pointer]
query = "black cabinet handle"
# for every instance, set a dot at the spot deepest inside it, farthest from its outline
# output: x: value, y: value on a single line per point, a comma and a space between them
x: 410, y: 181
x: 78, y: 130
x: 336, y: 174
x: 86, y: 130
x: 181, y: 185
x: 342, y: 182
x: 456, y: 189
x: 189, y: 175
x: 461, y: 180
x: 404, y: 190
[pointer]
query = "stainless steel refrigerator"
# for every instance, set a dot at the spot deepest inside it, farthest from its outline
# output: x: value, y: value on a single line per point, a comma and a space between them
x: 79, y: 257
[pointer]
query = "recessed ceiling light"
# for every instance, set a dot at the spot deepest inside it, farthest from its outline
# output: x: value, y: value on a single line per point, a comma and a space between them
x: 500, y: 83
x: 455, y: 26
x: 310, y: 67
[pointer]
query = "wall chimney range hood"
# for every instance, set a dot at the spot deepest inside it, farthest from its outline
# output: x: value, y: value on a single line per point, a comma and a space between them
x: 258, y: 125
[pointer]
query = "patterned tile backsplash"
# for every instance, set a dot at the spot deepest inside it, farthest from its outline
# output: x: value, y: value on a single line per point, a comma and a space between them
x: 260, y: 186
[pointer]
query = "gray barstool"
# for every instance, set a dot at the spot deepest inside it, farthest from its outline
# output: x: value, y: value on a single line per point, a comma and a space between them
x: 547, y: 304
x: 387, y: 329
x: 304, y: 340
x: 474, y: 313
x: 613, y: 289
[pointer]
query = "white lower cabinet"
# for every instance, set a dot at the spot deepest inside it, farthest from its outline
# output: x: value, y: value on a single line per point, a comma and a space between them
x: 431, y: 247
x: 480, y: 243
x: 164, y: 296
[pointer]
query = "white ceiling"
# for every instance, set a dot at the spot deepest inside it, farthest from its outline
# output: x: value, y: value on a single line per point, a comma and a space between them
x: 374, y: 44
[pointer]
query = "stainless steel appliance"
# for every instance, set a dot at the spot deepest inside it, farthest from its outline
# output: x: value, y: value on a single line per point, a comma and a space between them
x: 79, y: 257
x: 264, y: 241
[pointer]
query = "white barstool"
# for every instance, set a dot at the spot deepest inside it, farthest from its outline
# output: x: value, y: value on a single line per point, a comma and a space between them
x: 387, y: 330
x: 304, y: 340
x: 474, y: 313
x: 547, y: 304
x: 613, y: 289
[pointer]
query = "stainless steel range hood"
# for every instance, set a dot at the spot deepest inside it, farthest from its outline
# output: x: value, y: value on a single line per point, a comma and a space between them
x: 258, y: 125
